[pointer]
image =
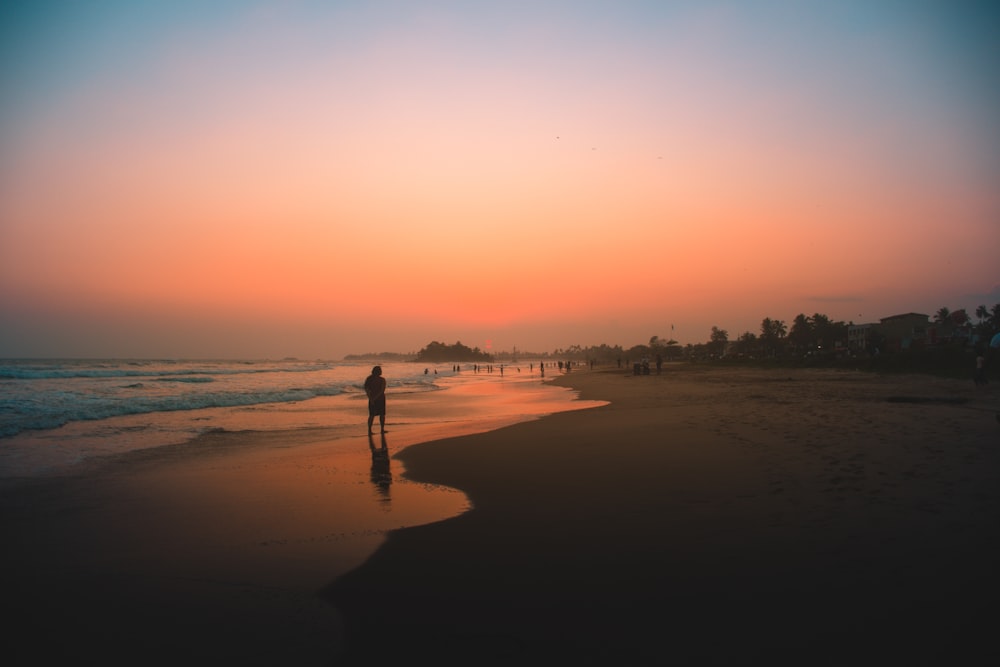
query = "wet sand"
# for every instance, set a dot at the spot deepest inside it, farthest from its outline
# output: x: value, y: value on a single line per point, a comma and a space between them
x: 706, y: 516
x: 214, y: 551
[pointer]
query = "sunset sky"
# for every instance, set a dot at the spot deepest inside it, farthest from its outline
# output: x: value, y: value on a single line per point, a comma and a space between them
x: 314, y: 179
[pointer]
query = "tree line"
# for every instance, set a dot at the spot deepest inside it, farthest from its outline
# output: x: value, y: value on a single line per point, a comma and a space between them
x: 813, y: 334
x: 439, y: 352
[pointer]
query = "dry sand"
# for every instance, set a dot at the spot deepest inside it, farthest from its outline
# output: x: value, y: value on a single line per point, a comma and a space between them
x: 704, y: 516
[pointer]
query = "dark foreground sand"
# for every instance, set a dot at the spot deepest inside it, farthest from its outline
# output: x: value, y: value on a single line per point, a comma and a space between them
x: 705, y: 516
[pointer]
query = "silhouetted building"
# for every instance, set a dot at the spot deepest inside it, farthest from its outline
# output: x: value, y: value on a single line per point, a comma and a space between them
x: 861, y: 337
x: 901, y: 332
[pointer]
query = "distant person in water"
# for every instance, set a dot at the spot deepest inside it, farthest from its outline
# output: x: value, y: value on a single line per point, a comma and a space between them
x: 375, y: 388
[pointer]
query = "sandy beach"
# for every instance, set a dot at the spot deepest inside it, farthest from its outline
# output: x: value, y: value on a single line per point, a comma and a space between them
x: 213, y: 551
x: 703, y: 516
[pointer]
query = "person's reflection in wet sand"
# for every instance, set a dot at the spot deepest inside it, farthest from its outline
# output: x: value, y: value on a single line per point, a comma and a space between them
x: 381, y: 474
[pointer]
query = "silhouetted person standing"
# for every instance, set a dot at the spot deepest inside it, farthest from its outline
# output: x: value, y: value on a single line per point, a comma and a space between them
x: 375, y: 388
x: 980, y: 376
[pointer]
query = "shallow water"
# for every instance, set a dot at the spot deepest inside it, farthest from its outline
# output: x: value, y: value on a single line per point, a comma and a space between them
x: 297, y: 484
x: 58, y: 414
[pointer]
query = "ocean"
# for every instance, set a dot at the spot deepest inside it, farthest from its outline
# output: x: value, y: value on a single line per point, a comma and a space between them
x: 213, y: 500
x: 56, y: 414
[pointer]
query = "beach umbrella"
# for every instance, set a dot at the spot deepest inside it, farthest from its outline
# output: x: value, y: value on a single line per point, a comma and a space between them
x: 996, y: 341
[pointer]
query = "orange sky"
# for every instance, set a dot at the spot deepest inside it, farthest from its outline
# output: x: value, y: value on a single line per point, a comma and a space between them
x: 314, y: 180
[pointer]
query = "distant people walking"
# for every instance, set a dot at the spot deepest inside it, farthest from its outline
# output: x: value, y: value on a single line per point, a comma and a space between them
x: 375, y: 389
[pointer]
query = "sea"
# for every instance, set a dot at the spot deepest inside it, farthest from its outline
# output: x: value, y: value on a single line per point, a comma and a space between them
x: 58, y: 413
x: 126, y: 480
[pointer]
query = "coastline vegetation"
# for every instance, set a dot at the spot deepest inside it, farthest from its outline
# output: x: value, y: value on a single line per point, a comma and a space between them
x: 437, y: 352
x: 810, y: 341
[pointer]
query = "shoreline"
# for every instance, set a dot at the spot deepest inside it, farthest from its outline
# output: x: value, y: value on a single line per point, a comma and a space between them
x: 705, y: 516
x: 48, y: 451
x: 216, y: 548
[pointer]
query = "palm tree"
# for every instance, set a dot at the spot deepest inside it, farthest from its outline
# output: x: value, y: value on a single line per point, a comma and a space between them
x: 719, y: 340
x: 942, y: 315
x: 746, y: 343
x: 800, y: 336
x: 771, y: 332
x: 989, y: 320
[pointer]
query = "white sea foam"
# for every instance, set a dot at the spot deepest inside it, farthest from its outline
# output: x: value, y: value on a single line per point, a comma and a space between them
x: 54, y: 414
x: 49, y: 394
